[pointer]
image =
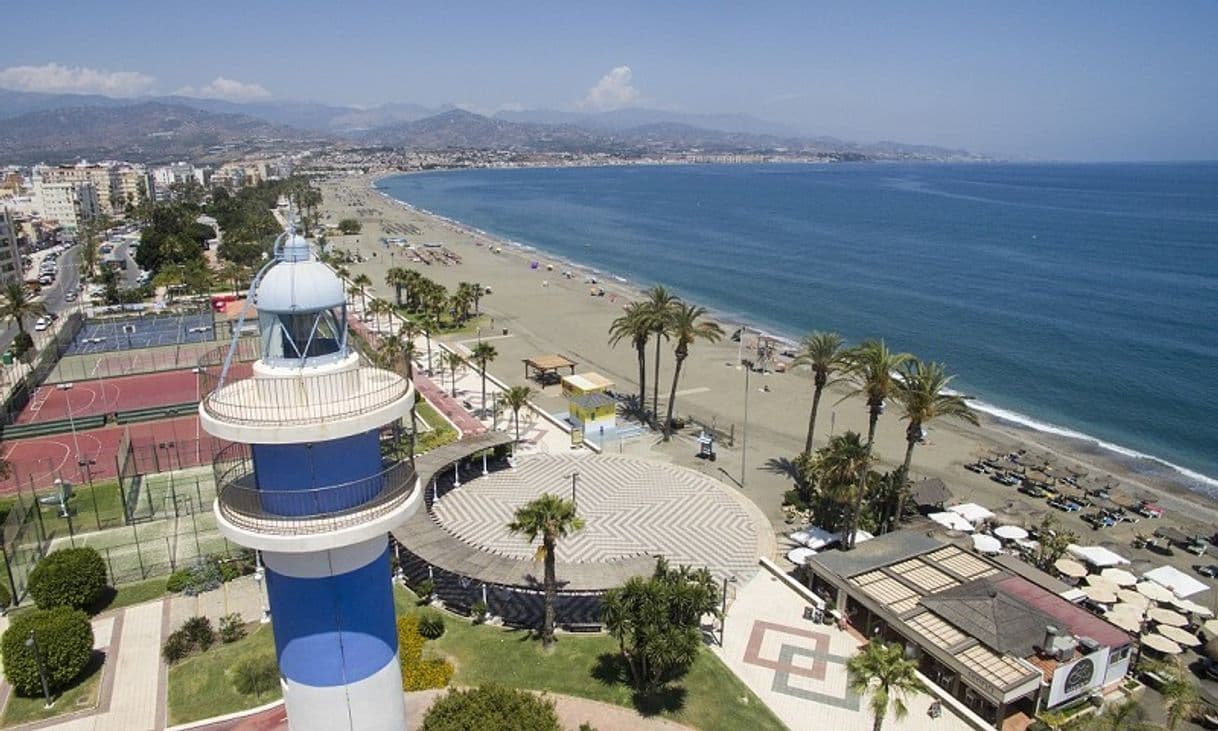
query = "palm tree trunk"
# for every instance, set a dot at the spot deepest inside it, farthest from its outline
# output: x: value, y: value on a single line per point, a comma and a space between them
x: 398, y: 293
x: 812, y: 419
x: 484, y: 388
x: 856, y: 511
x: 903, y: 475
x: 516, y: 420
x: 642, y: 353
x: 551, y: 580
x: 672, y: 398
x: 877, y: 723
x: 655, y: 387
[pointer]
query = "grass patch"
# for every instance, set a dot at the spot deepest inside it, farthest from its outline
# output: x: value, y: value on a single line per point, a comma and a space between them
x: 201, y: 686
x: 92, y: 508
x: 709, y: 697
x: 441, y: 431
x: 129, y: 594
x: 81, y: 696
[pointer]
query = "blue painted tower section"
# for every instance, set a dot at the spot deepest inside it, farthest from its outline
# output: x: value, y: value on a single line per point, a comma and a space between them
x: 320, y: 497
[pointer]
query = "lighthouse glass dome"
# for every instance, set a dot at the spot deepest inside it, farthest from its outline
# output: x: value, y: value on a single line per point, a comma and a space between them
x: 301, y: 310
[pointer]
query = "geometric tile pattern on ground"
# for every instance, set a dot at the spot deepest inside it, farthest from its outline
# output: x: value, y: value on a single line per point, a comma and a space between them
x: 631, y: 507
x: 800, y: 667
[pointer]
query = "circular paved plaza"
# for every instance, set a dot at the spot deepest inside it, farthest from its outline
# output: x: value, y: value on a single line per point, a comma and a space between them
x: 632, y: 509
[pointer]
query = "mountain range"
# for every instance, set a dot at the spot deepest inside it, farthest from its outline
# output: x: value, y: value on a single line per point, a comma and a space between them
x: 61, y: 127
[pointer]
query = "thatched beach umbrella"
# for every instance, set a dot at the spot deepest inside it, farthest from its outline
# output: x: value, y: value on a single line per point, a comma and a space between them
x: 1159, y: 643
x: 1133, y: 599
x: 1071, y: 568
x: 1120, y: 577
x: 1167, y: 616
x: 1101, y: 594
x: 1127, y: 621
x: 1180, y: 636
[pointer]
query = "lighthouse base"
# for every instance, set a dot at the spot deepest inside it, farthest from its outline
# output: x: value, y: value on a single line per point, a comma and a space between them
x: 365, y: 704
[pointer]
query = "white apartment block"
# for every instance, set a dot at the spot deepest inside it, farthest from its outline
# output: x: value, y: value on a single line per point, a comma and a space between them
x: 70, y: 204
x: 10, y: 253
x: 116, y: 184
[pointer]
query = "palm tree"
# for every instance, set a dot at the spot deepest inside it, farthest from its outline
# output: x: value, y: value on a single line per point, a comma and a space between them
x: 18, y: 305
x: 883, y: 672
x: 428, y: 324
x: 823, y: 353
x: 923, y: 396
x: 380, y: 307
x: 482, y: 354
x: 1124, y: 716
x: 871, y: 367
x: 633, y: 324
x: 837, y: 468
x: 1181, y: 699
x: 453, y: 360
x: 552, y: 518
x: 232, y: 272
x: 686, y: 326
x: 659, y: 307
x: 362, y: 282
x: 517, y: 397
x: 397, y: 277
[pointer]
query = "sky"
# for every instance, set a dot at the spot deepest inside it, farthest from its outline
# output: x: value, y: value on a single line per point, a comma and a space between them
x: 1037, y: 80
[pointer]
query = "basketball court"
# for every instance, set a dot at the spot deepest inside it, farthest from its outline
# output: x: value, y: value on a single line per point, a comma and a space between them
x: 145, y: 331
x: 53, y: 402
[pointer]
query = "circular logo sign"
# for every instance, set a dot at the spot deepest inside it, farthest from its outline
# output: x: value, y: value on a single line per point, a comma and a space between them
x: 1080, y: 675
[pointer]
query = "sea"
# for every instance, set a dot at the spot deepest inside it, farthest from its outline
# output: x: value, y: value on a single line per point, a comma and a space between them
x: 1075, y: 299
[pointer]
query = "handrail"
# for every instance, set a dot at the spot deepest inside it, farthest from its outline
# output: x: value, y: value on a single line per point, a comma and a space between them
x: 302, y: 398
x: 312, y: 510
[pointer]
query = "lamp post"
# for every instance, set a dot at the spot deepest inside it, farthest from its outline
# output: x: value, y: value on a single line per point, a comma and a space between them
x: 574, y: 480
x: 259, y: 577
x: 31, y: 643
x: 744, y: 430
x: 723, y: 610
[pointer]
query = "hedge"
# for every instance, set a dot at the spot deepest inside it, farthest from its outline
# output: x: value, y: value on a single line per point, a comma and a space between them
x: 65, y: 642
x: 491, y: 708
x: 69, y: 577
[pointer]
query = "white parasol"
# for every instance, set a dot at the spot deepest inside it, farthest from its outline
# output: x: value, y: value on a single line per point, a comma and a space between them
x: 1133, y: 599
x: 952, y: 521
x: 1161, y: 644
x: 1167, y: 616
x: 1127, y: 621
x: 799, y: 556
x: 1210, y: 627
x: 1071, y: 568
x: 1154, y: 592
x: 1120, y: 577
x: 1010, y: 532
x: 1101, y: 594
x: 1180, y: 636
x: 1191, y: 607
x: 1101, y: 582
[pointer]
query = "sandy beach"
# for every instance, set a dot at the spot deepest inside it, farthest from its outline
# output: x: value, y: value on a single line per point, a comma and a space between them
x: 544, y: 311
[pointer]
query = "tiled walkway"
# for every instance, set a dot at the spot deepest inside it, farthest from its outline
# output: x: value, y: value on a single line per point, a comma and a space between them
x: 798, y: 667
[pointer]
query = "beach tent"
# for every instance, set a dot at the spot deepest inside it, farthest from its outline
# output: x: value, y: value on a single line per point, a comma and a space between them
x: 1010, y: 532
x: 815, y: 537
x: 972, y: 512
x: 1172, y: 578
x: 952, y: 521
x: 1097, y: 556
x: 986, y: 544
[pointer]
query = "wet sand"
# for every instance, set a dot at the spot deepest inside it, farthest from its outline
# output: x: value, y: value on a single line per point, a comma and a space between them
x: 545, y: 312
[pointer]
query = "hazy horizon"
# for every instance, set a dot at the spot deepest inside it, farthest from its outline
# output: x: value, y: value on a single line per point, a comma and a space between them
x: 1085, y: 82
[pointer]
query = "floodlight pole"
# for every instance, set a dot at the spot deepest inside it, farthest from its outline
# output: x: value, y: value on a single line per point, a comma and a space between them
x: 744, y: 430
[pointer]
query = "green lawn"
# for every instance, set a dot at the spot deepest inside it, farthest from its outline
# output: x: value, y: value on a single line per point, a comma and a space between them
x: 441, y: 431
x: 126, y: 595
x: 81, y: 696
x: 709, y: 697
x: 200, y: 687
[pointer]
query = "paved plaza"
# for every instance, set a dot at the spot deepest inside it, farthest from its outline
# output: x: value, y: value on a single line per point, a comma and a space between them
x: 631, y: 508
x: 798, y: 667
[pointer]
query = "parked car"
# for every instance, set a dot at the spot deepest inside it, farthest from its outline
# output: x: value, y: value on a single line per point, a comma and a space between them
x: 1005, y: 479
x: 1147, y: 509
x: 1196, y: 546
x: 42, y: 324
x: 1065, y: 505
x: 1099, y: 520
x: 1032, y: 490
x: 1210, y: 570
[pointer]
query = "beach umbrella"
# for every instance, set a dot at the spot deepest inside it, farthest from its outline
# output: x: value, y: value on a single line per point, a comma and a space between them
x: 986, y: 544
x: 1210, y: 627
x: 1154, y: 592
x: 1133, y: 599
x: 1010, y: 532
x: 1179, y: 636
x: 799, y: 556
x: 1159, y: 643
x: 1167, y: 616
x: 1100, y: 594
x: 1187, y: 605
x: 1211, y: 650
x: 952, y: 521
x: 1070, y: 567
x: 1127, y: 608
x: 1125, y: 620
x: 1120, y: 577
x: 1100, y: 582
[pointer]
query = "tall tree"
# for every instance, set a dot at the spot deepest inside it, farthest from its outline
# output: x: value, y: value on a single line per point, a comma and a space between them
x: 482, y: 354
x: 362, y: 282
x: 380, y: 307
x: 659, y: 306
x: 831, y: 476
x: 824, y: 354
x: 552, y: 518
x: 18, y: 306
x: 882, y: 672
x: 453, y: 360
x: 922, y: 392
x: 634, y: 325
x: 871, y: 369
x: 516, y: 398
x: 397, y: 277
x: 1181, y: 699
x: 686, y: 325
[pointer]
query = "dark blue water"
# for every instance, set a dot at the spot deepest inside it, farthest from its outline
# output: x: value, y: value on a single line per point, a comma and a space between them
x: 1073, y: 298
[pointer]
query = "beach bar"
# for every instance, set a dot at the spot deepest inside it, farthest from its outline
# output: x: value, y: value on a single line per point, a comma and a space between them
x: 545, y: 368
x: 1004, y: 645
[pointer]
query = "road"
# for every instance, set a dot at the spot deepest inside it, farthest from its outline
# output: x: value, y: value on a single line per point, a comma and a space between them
x: 52, y: 296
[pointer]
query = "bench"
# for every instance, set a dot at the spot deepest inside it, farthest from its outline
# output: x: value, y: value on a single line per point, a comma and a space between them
x: 581, y: 627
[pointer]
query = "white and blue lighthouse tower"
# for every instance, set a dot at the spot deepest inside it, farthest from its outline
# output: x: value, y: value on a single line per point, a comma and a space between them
x: 305, y: 481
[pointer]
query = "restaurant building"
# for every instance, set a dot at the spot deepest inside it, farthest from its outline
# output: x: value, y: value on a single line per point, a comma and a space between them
x: 999, y: 642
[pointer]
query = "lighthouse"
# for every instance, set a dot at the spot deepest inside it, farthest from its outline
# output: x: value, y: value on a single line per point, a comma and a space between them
x: 306, y: 480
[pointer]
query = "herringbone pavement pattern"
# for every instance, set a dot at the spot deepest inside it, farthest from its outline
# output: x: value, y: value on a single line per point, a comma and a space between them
x: 631, y: 507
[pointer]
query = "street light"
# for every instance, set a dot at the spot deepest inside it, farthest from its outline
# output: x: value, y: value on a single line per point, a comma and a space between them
x: 723, y: 610
x: 744, y: 430
x: 31, y: 643
x: 259, y: 577
x: 574, y: 479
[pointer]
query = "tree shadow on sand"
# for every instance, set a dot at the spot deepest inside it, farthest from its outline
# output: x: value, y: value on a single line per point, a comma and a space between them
x: 782, y: 466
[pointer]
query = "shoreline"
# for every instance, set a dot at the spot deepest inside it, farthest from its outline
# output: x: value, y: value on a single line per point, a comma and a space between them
x: 1145, y: 471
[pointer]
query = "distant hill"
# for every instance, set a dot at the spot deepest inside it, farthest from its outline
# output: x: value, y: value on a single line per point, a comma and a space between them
x: 458, y: 128
x: 623, y: 119
x: 147, y: 132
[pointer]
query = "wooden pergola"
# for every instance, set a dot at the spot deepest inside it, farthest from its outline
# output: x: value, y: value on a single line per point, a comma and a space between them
x: 543, y: 367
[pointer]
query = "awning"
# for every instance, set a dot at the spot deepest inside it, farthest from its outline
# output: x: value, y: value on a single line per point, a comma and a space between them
x: 815, y: 537
x: 952, y: 521
x: 1097, y: 555
x: 1175, y: 580
x: 1010, y: 532
x: 972, y: 512
x: 986, y: 544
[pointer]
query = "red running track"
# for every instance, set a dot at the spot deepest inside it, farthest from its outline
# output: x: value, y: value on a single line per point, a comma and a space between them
x: 106, y: 396
x: 43, y: 459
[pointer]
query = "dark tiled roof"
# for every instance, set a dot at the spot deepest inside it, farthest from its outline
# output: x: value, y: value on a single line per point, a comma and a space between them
x: 1063, y: 614
x: 880, y: 551
x: 998, y: 620
x: 930, y: 492
x: 593, y: 400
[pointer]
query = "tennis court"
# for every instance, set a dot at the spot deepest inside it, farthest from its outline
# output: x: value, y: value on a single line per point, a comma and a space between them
x: 145, y: 331
x: 54, y: 402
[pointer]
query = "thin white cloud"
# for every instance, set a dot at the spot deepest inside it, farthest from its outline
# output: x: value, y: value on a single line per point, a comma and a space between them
x: 59, y: 79
x: 614, y: 91
x: 227, y: 89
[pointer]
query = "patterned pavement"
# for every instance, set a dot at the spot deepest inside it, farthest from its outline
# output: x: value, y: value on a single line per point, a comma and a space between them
x: 631, y: 507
